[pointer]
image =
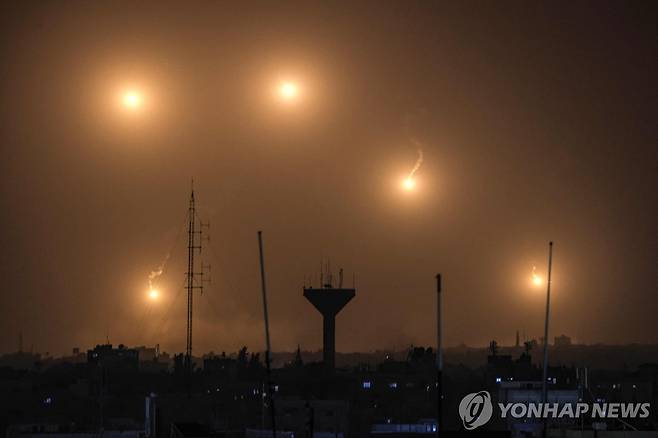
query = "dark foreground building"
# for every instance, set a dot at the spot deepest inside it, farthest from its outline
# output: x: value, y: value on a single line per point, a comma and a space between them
x: 117, y: 394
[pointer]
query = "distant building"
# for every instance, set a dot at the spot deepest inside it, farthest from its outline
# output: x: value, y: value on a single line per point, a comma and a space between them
x: 120, y: 358
x: 562, y: 341
x: 111, y: 370
x: 76, y: 356
x: 328, y: 416
x: 21, y: 360
x: 502, y: 368
x: 148, y: 354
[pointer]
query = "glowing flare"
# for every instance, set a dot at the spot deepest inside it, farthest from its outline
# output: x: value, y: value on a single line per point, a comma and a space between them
x: 154, y: 294
x: 536, y: 279
x: 288, y: 90
x: 132, y: 100
x: 408, y: 184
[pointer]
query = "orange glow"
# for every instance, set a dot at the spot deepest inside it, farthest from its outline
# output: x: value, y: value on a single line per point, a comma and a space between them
x: 154, y: 294
x: 408, y: 184
x: 132, y: 100
x: 536, y: 279
x: 288, y: 91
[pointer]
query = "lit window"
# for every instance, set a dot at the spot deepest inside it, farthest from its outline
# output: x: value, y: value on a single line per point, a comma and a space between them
x: 367, y: 385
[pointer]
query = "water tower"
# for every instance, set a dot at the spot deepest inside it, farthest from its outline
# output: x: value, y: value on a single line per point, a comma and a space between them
x: 329, y: 301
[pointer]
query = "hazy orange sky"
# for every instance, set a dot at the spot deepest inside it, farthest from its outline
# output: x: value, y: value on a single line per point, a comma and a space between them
x: 536, y: 121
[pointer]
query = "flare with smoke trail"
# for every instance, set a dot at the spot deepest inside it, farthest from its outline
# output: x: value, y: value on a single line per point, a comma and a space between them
x: 419, y: 162
x: 536, y: 279
x: 409, y: 182
x: 158, y: 271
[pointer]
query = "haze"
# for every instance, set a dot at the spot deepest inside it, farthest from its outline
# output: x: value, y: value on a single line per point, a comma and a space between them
x: 536, y: 121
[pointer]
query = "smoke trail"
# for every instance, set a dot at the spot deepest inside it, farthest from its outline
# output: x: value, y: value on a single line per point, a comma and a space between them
x: 158, y: 272
x: 535, y: 277
x: 419, y: 162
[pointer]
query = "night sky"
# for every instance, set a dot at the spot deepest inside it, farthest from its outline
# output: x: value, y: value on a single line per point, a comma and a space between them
x: 536, y: 120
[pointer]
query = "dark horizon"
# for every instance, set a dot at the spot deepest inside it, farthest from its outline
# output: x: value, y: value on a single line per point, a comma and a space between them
x: 536, y: 122
x: 537, y: 349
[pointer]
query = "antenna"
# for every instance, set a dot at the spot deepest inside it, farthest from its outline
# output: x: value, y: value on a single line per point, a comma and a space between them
x: 194, y: 241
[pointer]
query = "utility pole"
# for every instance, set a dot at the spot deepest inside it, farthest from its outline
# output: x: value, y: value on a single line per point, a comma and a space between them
x: 193, y: 245
x: 548, y: 306
x: 439, y: 359
x: 267, y: 334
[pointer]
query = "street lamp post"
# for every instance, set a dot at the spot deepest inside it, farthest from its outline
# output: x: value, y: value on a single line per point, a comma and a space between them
x: 548, y: 306
x: 439, y: 357
x: 268, y: 347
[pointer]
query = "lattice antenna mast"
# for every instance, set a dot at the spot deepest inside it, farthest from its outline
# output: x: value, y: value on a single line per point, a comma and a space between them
x: 194, y: 278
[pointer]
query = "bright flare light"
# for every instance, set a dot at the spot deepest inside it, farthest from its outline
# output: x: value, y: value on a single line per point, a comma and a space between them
x: 154, y: 294
x: 408, y: 184
x: 288, y: 91
x: 536, y: 279
x: 132, y: 100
